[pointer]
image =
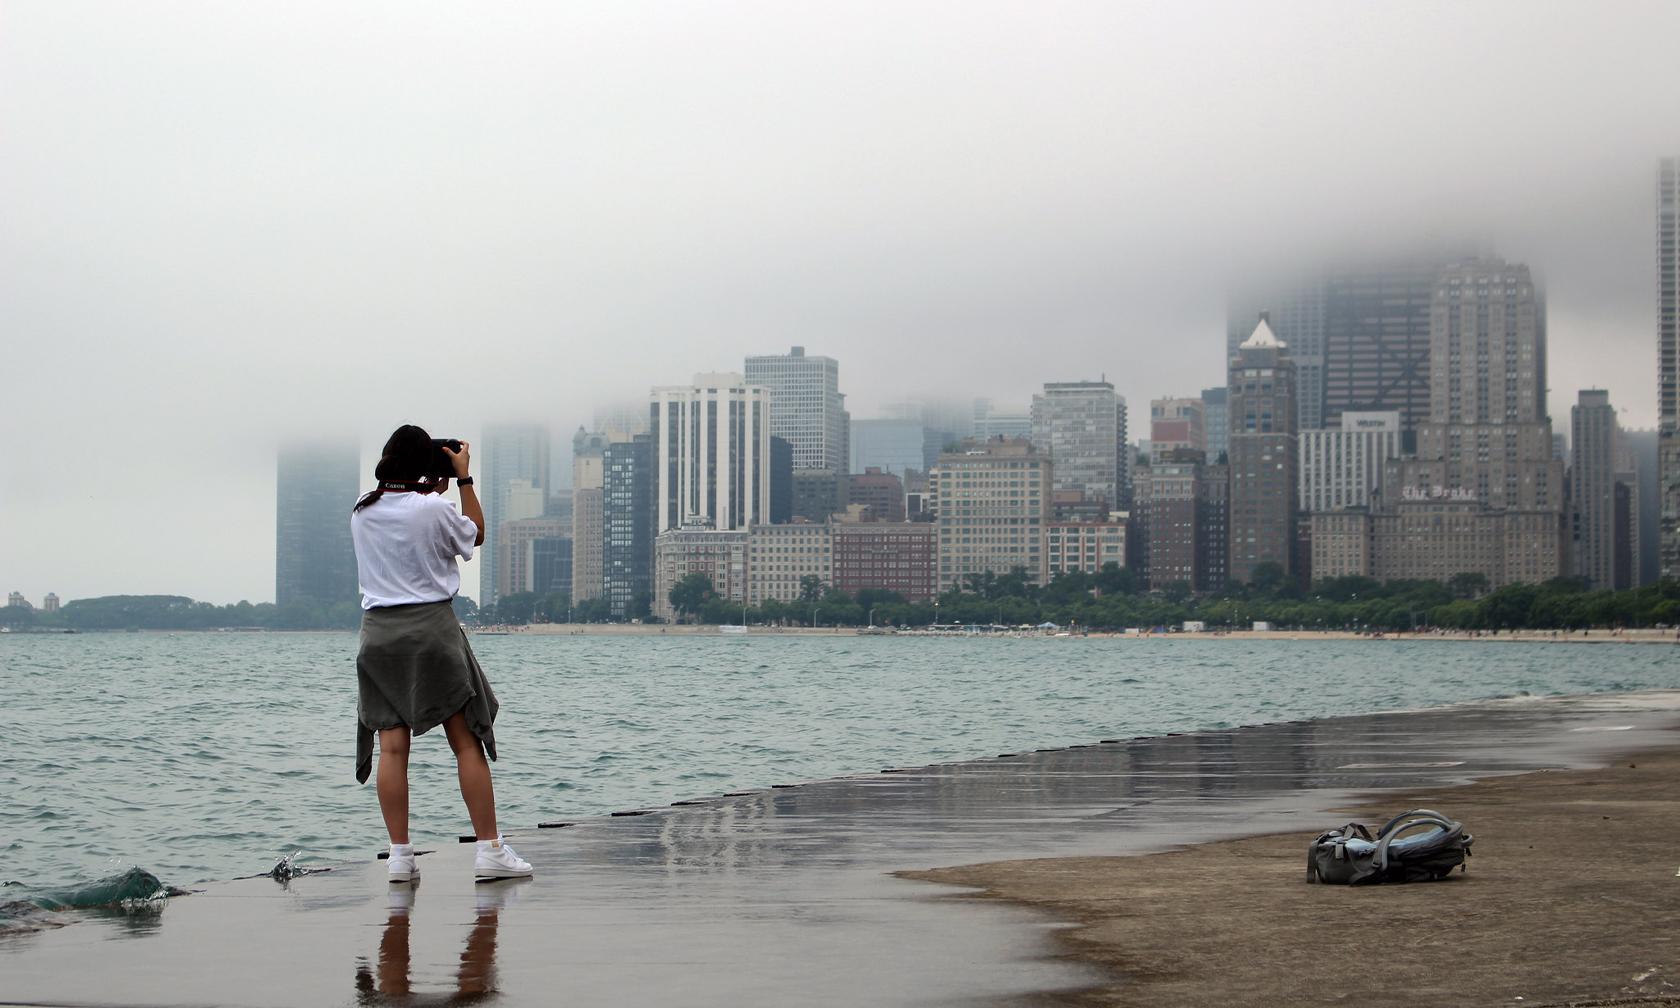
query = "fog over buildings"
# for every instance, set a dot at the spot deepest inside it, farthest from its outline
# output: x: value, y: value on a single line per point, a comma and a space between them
x: 228, y: 226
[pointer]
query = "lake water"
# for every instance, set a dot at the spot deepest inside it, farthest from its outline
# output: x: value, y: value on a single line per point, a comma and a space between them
x: 207, y: 756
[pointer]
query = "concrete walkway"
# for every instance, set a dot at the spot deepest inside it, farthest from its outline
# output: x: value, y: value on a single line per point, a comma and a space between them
x: 783, y: 896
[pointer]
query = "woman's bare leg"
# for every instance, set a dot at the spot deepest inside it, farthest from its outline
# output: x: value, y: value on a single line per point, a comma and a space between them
x: 474, y: 772
x: 392, y: 782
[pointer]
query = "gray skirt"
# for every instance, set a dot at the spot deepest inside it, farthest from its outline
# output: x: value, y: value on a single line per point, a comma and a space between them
x: 415, y: 669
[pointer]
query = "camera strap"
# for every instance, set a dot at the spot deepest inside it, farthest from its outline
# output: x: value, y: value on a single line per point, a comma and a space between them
x: 398, y: 486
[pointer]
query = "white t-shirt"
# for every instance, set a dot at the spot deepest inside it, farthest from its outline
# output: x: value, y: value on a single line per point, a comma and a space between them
x: 406, y: 545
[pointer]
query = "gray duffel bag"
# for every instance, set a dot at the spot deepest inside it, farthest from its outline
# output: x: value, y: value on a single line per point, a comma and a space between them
x: 1417, y: 846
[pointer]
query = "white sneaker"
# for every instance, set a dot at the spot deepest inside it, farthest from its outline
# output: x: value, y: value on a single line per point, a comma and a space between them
x: 496, y: 860
x: 400, y: 865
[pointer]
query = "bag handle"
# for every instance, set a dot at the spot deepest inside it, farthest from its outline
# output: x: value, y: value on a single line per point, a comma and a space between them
x: 1417, y: 817
x: 1421, y: 814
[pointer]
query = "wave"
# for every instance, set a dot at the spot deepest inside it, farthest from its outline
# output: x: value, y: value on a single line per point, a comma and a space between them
x: 133, y: 889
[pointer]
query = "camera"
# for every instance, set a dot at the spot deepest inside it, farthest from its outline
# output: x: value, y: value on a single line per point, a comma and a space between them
x: 443, y: 466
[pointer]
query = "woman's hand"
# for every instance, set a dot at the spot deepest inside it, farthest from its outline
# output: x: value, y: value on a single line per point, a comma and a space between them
x: 461, y: 458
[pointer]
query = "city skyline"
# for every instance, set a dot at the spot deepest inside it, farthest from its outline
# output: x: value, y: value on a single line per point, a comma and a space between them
x: 434, y: 219
x: 540, y: 433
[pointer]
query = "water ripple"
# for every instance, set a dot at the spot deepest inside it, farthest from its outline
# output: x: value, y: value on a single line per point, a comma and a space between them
x: 209, y: 756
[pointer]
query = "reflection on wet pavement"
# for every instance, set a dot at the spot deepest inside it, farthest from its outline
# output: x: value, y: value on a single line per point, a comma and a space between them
x: 1120, y: 796
x: 782, y: 895
x: 390, y: 979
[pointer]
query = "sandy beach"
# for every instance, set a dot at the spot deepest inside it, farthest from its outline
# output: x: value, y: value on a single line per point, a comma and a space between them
x: 1570, y: 898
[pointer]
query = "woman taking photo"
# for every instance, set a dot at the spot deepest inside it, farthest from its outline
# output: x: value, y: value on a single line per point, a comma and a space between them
x: 415, y: 669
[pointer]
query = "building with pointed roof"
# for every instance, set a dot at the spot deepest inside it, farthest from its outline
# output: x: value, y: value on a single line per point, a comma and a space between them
x: 1262, y: 338
x: 1263, y: 456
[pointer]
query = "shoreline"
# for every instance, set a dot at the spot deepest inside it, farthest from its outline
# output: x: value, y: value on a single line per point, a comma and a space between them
x: 664, y: 803
x: 777, y: 894
x: 1599, y: 635
x: 1566, y: 901
x: 1593, y: 636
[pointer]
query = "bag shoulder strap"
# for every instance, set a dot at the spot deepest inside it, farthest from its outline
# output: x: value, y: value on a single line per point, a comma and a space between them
x: 1405, y: 821
x: 1421, y: 815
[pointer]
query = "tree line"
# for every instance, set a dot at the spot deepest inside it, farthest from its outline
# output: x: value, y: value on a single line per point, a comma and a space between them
x: 1111, y: 599
x: 178, y: 612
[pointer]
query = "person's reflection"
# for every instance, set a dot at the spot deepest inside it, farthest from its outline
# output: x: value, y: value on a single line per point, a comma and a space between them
x: 390, y: 981
x: 475, y: 978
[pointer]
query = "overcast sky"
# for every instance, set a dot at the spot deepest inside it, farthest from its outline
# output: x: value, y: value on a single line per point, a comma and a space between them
x: 224, y: 224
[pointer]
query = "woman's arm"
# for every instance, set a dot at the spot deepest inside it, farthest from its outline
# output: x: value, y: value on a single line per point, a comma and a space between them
x: 469, y: 494
x: 473, y: 510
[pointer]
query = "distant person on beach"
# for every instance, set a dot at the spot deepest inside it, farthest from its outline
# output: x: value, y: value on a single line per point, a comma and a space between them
x: 415, y: 669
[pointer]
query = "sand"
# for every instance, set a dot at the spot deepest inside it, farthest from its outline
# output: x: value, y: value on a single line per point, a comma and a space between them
x: 1571, y: 898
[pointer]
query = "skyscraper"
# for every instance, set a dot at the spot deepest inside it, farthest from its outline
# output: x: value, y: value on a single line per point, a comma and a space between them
x: 1376, y: 340
x: 510, y: 452
x: 806, y: 406
x: 1078, y: 424
x: 991, y: 422
x: 889, y: 445
x: 1213, y: 515
x: 314, y: 561
x: 1592, y: 488
x: 1642, y: 445
x: 588, y: 528
x: 1167, y: 499
x: 1296, y: 316
x: 626, y: 418
x: 1359, y: 334
x: 627, y: 505
x: 712, y: 453
x: 1216, y: 422
x: 993, y: 499
x: 1263, y: 455
x: 945, y: 424
x: 1484, y: 494
x: 1630, y: 520
x: 1488, y: 434
x: 1668, y: 364
x: 781, y: 481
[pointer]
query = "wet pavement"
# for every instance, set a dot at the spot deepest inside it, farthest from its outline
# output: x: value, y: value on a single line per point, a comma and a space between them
x: 783, y: 896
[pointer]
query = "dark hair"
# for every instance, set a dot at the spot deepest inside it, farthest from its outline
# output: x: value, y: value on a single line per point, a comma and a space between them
x: 409, y: 456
